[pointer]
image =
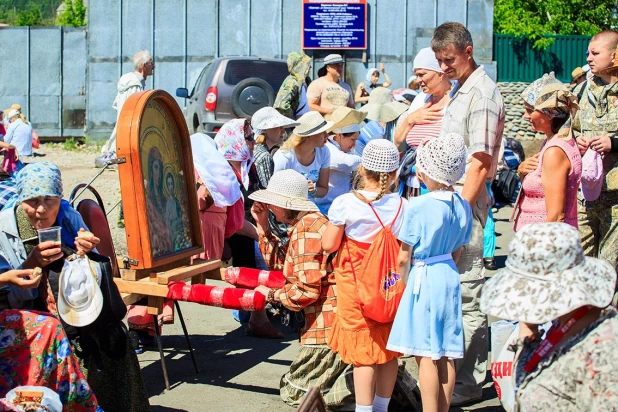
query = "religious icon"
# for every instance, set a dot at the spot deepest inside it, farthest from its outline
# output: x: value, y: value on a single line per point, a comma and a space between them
x: 165, y: 170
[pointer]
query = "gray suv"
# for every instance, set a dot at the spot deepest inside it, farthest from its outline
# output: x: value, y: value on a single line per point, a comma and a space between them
x: 229, y: 88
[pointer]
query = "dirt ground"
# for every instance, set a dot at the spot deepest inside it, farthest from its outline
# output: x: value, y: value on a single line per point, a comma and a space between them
x: 237, y: 372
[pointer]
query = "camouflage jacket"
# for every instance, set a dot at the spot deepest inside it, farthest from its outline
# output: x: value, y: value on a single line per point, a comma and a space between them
x: 598, y: 116
x: 289, y: 94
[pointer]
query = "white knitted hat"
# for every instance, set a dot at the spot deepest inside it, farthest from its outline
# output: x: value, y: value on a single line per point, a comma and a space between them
x: 287, y: 189
x: 380, y: 155
x: 443, y: 159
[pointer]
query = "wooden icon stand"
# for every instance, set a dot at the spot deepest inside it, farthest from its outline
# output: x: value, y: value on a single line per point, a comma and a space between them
x: 162, y: 224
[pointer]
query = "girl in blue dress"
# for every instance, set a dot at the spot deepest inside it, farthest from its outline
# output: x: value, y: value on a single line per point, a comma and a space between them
x: 429, y: 322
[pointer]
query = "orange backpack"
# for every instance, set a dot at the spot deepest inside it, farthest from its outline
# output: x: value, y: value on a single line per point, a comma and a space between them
x: 379, y: 285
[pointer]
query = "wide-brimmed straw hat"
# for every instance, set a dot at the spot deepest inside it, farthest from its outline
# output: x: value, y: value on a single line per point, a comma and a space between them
x: 345, y: 119
x: 269, y: 118
x: 311, y: 123
x: 287, y: 189
x: 547, y: 276
x: 381, y: 107
x: 80, y: 300
x: 576, y: 74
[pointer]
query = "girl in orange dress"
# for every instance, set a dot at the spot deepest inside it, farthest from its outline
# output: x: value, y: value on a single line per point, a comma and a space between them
x: 355, y: 220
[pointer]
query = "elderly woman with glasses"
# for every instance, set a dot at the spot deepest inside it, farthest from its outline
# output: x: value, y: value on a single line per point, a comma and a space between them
x: 309, y: 287
x: 109, y: 361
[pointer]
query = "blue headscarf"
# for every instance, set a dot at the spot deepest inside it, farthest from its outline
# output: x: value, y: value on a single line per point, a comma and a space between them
x: 39, y: 179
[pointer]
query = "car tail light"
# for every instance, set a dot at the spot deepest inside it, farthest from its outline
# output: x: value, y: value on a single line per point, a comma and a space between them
x: 216, y: 129
x: 210, y: 102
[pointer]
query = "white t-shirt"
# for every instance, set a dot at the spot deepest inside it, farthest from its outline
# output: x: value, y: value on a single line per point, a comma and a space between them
x: 286, y: 159
x: 360, y: 222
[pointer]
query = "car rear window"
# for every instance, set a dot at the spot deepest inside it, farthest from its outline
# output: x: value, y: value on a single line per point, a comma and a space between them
x: 273, y: 72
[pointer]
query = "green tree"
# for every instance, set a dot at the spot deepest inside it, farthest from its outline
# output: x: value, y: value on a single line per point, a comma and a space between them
x: 535, y: 19
x: 74, y: 14
x: 31, y: 16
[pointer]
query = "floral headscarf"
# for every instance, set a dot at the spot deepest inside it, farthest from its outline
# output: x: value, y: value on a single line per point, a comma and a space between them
x: 555, y: 100
x: 39, y: 179
x: 231, y: 144
x: 531, y: 93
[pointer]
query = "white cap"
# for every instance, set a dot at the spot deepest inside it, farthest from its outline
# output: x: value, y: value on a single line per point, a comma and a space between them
x: 586, y: 68
x: 426, y: 60
x: 80, y: 300
x: 12, y: 113
x: 443, y: 159
x: 380, y: 155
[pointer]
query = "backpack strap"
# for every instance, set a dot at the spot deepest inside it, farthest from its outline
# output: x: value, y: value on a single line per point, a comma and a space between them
x: 363, y: 198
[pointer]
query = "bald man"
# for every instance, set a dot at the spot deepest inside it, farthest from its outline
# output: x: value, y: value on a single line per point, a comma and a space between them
x: 596, y: 128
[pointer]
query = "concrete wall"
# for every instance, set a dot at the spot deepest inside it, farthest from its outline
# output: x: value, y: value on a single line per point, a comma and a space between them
x: 184, y: 35
x: 44, y: 70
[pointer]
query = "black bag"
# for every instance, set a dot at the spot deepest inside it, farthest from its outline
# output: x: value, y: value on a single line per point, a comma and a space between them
x: 506, y: 186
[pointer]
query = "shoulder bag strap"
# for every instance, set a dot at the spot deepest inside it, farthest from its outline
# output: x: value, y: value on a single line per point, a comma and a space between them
x: 364, y: 199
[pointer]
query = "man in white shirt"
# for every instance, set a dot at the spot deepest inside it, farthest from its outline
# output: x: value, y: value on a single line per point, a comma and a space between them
x: 476, y: 112
x: 130, y: 83
x: 19, y: 134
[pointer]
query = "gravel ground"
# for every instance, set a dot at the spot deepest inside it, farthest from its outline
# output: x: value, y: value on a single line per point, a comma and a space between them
x: 237, y: 373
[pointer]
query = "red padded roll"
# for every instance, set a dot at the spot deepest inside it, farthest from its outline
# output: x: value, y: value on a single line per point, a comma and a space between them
x: 227, y: 298
x: 252, y: 278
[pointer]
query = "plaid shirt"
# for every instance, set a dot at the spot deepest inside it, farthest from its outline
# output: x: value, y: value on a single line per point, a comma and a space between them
x: 310, y: 282
x: 476, y: 112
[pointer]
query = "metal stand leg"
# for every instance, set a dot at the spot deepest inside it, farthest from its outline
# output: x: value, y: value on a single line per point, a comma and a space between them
x: 158, y: 336
x: 184, y: 329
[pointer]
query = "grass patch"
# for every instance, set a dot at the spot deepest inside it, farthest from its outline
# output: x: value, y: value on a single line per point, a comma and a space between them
x: 70, y: 145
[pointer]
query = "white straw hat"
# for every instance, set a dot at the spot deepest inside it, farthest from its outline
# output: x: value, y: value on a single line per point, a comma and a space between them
x: 343, y: 117
x: 381, y: 106
x: 287, y: 189
x: 311, y: 123
x: 380, y: 155
x: 443, y: 159
x: 269, y: 118
x: 547, y: 276
x: 80, y: 300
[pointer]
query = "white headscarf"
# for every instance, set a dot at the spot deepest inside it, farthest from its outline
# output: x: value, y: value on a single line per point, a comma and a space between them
x: 426, y: 60
x: 215, y: 171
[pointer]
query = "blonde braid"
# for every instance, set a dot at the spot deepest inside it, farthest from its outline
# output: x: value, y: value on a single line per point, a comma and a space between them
x: 383, y: 186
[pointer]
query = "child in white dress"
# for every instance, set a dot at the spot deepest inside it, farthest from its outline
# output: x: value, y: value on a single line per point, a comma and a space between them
x: 429, y: 322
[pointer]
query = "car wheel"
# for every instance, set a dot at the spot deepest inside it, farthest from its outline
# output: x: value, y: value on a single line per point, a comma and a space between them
x: 250, y: 95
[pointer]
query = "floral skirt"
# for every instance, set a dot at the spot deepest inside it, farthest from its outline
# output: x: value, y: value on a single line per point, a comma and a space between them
x: 34, y: 350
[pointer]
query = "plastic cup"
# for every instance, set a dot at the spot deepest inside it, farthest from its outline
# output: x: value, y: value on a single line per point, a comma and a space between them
x: 51, y: 234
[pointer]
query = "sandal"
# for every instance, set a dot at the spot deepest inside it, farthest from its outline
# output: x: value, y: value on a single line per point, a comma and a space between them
x: 265, y: 330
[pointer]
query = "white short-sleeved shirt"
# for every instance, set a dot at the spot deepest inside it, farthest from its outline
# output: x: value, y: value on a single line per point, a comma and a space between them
x: 360, y: 222
x: 286, y: 159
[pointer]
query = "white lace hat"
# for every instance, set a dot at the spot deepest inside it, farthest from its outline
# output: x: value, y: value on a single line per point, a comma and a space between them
x: 443, y: 159
x: 287, y: 189
x: 269, y: 118
x: 547, y: 276
x: 311, y: 123
x: 380, y: 155
x: 80, y: 300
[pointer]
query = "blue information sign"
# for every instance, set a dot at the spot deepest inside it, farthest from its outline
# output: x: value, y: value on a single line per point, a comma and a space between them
x: 333, y: 24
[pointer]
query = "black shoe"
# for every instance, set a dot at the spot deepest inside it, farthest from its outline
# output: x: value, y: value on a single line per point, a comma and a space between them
x: 490, y: 264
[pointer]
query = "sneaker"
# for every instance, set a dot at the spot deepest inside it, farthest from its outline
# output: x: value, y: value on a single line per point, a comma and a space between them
x: 458, y: 400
